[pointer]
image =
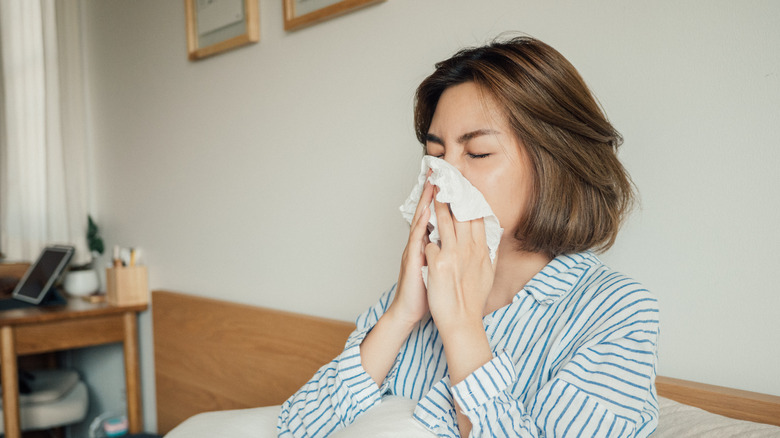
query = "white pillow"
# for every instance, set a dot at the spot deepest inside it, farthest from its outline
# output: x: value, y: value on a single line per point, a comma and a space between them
x: 682, y: 421
x: 391, y: 419
x: 237, y: 423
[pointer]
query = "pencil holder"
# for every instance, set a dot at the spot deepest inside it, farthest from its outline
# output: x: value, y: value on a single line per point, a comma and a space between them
x: 127, y: 285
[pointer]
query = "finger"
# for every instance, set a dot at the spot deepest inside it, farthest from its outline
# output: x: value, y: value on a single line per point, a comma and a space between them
x: 419, y: 230
x: 478, y: 232
x: 495, y: 260
x: 444, y: 221
x: 431, y: 252
x: 480, y: 239
x: 425, y: 200
x: 422, y: 205
x: 462, y: 230
x: 426, y: 197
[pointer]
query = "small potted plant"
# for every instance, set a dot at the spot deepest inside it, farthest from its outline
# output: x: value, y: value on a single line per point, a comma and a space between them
x: 83, y: 280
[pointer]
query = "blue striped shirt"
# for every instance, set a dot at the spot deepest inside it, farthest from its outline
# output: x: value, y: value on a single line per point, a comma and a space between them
x: 574, y: 355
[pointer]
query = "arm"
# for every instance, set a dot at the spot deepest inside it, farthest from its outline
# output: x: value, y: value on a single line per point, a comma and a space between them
x: 381, y: 346
x: 351, y: 383
x: 467, y: 350
x: 459, y: 281
x: 339, y: 392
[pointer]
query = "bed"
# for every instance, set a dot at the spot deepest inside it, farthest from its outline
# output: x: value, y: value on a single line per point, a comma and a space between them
x: 222, y: 369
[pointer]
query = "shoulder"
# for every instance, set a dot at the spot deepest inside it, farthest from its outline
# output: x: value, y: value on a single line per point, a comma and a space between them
x: 598, y: 291
x: 605, y: 283
x: 609, y: 313
x: 614, y: 297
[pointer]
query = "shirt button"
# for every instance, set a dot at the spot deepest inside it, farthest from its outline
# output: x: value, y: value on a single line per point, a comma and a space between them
x: 548, y: 301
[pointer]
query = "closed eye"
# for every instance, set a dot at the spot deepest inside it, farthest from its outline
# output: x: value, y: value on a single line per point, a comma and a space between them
x: 475, y: 156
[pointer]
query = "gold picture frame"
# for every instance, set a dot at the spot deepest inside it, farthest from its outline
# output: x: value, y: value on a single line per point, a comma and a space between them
x: 216, y: 26
x: 301, y: 13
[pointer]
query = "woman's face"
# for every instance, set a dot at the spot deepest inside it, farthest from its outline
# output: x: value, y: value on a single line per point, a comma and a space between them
x: 470, y: 132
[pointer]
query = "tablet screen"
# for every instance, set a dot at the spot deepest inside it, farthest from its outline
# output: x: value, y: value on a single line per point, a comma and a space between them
x: 42, y: 275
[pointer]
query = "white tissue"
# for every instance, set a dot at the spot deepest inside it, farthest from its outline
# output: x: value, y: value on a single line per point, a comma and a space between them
x: 466, y: 203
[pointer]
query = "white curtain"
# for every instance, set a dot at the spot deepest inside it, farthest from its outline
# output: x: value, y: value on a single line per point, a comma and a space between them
x: 43, y: 189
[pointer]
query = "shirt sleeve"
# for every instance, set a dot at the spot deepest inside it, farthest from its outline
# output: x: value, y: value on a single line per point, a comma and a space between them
x: 339, y: 392
x: 605, y: 389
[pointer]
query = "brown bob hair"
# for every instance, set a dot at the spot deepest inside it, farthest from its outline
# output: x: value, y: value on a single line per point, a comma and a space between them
x: 581, y: 191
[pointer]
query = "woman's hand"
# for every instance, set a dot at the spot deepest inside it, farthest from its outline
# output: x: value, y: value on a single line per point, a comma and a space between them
x: 460, y: 274
x: 382, y: 344
x: 460, y: 277
x: 410, y: 303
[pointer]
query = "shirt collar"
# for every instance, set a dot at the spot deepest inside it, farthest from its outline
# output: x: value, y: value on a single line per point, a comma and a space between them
x: 559, y: 277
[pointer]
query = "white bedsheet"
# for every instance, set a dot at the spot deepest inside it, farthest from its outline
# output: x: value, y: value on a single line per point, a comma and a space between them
x: 393, y: 418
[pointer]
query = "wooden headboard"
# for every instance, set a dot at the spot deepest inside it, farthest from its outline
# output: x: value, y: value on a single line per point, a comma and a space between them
x: 214, y: 355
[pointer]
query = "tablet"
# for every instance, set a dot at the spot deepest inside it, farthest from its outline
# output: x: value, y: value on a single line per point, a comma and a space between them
x: 40, y: 277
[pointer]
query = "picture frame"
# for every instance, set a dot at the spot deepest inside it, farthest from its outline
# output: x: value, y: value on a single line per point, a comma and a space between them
x: 302, y: 13
x: 216, y: 26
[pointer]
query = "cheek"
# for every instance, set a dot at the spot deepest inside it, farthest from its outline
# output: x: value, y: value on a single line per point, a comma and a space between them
x: 506, y: 209
x: 508, y: 193
x: 501, y: 197
x: 485, y: 184
x: 506, y: 189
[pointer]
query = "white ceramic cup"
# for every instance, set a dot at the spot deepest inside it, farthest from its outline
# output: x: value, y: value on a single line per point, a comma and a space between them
x: 82, y: 283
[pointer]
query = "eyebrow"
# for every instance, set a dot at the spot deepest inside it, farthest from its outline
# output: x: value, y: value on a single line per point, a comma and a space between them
x: 463, y: 138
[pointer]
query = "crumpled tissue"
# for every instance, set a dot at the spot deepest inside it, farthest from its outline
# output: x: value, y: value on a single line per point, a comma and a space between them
x: 466, y: 203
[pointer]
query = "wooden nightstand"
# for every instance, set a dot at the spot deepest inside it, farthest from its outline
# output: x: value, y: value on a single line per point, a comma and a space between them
x: 78, y: 324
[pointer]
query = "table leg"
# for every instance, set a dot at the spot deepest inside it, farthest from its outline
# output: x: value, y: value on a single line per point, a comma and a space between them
x: 132, y: 374
x: 9, y: 382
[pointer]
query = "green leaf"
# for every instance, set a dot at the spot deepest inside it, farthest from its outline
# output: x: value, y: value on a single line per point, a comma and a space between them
x: 94, y: 241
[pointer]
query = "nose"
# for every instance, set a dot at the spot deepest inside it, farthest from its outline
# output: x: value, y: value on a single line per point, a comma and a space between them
x: 454, y: 158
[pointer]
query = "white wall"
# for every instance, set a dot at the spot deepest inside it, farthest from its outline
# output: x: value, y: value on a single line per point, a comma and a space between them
x: 271, y: 175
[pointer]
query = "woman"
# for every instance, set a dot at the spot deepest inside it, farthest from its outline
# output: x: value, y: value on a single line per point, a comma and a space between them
x: 546, y: 341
